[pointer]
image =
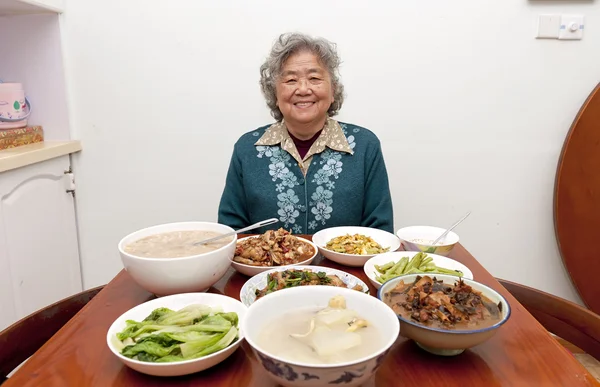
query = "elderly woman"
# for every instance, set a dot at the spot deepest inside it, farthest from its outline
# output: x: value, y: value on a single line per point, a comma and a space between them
x: 308, y: 170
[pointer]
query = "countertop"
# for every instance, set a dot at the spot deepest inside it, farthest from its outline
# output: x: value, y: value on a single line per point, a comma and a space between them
x: 34, y: 153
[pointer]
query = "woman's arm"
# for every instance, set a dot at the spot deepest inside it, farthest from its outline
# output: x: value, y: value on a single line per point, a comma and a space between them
x: 377, y: 211
x: 233, y: 207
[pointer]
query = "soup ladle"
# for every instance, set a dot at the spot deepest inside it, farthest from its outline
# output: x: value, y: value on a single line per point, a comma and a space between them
x: 252, y: 227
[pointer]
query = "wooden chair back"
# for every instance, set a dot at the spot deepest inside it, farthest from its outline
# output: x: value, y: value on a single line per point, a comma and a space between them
x: 22, y: 339
x: 569, y: 321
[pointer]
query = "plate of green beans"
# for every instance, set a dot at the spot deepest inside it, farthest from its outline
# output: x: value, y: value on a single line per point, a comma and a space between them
x: 384, y: 267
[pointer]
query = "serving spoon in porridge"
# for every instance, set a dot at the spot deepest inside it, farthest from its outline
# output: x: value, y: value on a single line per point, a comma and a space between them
x: 262, y: 223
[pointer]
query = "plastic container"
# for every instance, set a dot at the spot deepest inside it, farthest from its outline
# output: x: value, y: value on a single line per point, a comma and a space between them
x: 14, y: 107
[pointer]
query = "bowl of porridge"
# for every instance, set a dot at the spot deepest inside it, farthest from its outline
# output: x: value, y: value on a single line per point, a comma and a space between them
x: 420, y: 238
x: 164, y: 260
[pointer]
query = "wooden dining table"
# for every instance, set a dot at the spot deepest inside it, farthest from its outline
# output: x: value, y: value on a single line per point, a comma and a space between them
x: 522, y: 353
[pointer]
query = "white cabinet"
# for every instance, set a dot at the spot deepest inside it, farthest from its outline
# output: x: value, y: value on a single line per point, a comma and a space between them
x: 39, y: 257
x: 39, y: 252
x: 18, y: 7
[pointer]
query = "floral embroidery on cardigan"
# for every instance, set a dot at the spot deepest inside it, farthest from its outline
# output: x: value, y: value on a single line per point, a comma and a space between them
x: 275, y: 144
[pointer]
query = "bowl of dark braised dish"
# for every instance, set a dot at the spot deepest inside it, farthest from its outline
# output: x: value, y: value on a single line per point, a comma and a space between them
x: 444, y: 314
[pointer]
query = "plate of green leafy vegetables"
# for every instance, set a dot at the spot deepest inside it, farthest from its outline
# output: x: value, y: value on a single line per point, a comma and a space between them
x: 178, y: 334
x: 286, y: 277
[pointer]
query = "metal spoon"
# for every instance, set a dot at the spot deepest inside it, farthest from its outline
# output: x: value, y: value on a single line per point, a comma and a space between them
x: 451, y: 228
x: 252, y: 227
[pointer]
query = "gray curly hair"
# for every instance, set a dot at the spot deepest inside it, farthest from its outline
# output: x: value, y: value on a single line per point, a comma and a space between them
x: 292, y: 43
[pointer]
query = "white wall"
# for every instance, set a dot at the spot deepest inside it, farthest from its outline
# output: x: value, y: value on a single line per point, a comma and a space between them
x: 471, y: 109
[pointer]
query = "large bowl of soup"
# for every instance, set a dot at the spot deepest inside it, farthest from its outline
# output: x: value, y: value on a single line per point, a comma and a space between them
x: 320, y: 335
x: 443, y: 314
x: 165, y: 260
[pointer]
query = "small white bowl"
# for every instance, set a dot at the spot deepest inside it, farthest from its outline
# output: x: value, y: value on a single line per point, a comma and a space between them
x: 438, y: 260
x: 176, y: 302
x: 259, y: 281
x: 446, y: 342
x: 407, y: 234
x: 291, y: 373
x: 384, y: 238
x: 165, y: 276
x: 250, y: 270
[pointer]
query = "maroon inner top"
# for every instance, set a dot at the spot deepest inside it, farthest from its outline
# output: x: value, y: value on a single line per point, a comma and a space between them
x: 304, y: 145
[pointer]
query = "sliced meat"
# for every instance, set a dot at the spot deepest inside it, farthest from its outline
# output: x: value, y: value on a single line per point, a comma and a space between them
x: 336, y: 281
x: 423, y: 281
x: 440, y: 298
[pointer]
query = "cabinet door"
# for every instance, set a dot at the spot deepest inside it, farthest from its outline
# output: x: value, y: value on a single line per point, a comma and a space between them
x: 39, y: 253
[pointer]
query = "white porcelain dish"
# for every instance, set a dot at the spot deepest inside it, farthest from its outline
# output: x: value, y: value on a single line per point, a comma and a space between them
x: 289, y: 373
x: 165, y: 276
x: 438, y: 260
x: 408, y: 235
x: 259, y: 281
x: 176, y: 302
x: 250, y: 270
x: 384, y: 238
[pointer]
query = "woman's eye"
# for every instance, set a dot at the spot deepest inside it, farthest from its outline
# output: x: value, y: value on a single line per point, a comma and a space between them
x: 290, y: 81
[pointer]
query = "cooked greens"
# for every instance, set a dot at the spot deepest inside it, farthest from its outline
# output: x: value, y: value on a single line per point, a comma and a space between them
x: 291, y: 278
x: 420, y: 263
x: 168, y: 336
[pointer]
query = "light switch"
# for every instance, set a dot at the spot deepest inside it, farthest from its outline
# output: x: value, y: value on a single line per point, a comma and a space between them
x: 571, y: 27
x: 548, y: 26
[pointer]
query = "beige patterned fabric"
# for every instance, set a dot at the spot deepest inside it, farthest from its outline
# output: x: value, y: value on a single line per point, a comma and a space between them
x: 332, y: 137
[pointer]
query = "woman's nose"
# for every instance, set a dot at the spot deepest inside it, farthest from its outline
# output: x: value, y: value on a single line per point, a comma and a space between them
x: 303, y: 87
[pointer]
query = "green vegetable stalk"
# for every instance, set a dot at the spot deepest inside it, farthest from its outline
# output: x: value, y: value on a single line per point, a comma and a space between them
x: 169, y: 336
x: 420, y: 263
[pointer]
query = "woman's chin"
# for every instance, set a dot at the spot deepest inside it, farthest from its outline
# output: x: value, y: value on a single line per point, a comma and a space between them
x: 305, y: 117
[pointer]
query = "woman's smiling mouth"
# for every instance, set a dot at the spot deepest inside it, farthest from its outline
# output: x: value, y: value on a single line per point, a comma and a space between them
x: 303, y: 105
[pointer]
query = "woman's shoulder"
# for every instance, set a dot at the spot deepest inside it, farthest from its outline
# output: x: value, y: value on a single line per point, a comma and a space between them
x: 252, y: 136
x: 358, y: 132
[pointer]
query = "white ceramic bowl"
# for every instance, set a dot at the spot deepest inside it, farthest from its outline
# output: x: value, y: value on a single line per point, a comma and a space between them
x: 259, y: 281
x: 250, y: 270
x: 165, y: 276
x: 176, y: 302
x: 288, y: 373
x: 438, y: 260
x: 384, y: 238
x: 446, y: 342
x: 407, y: 234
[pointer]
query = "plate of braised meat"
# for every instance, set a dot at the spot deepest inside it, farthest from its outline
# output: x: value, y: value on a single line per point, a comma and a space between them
x: 256, y: 254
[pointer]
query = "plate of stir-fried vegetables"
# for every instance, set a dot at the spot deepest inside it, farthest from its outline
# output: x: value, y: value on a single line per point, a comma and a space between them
x: 178, y: 334
x: 274, y: 280
x: 356, y: 244
x: 353, y: 245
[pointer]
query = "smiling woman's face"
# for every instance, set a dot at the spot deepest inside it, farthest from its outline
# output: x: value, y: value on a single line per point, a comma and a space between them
x: 304, y: 92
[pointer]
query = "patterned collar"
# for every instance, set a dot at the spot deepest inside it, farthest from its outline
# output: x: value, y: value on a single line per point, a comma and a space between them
x: 332, y: 136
